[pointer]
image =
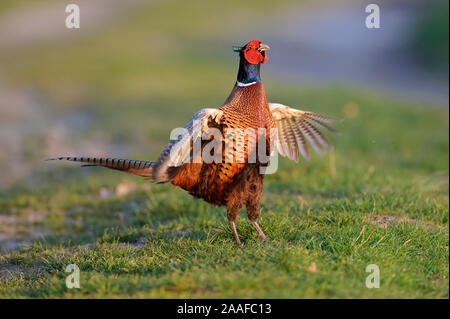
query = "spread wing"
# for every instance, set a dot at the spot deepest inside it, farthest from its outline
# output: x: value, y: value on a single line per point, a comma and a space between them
x: 179, y: 150
x: 296, y: 128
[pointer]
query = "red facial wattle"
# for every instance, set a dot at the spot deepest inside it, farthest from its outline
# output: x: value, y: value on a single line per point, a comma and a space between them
x: 252, y: 54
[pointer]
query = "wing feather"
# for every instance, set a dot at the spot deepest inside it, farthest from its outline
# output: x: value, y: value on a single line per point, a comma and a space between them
x: 296, y: 128
x: 301, y: 142
x: 312, y: 139
x: 293, y: 140
x: 180, y: 150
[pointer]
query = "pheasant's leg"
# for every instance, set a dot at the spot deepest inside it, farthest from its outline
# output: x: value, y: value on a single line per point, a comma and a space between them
x: 254, y: 190
x: 259, y: 230
x: 236, y: 236
x: 253, y: 214
x: 233, y: 211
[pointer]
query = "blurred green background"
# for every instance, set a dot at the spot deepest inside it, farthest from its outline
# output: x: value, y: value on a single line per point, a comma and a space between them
x: 137, y: 69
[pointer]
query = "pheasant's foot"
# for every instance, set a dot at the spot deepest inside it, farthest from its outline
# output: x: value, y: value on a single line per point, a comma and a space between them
x: 260, y: 232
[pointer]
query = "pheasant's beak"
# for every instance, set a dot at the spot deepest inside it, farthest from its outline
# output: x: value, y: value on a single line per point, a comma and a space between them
x: 263, y: 47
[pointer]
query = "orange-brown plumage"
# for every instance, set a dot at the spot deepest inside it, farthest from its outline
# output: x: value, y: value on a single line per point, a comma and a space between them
x: 246, y: 107
x: 234, y: 180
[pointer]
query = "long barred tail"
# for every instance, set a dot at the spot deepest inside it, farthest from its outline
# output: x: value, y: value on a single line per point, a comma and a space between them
x: 141, y: 168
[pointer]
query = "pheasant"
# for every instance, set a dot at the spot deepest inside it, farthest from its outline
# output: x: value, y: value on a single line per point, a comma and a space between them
x: 234, y: 177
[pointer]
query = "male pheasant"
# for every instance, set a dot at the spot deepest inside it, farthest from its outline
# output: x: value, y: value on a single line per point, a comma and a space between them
x: 234, y: 177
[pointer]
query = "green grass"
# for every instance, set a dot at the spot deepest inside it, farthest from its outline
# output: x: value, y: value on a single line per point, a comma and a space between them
x: 154, y: 241
x: 158, y: 242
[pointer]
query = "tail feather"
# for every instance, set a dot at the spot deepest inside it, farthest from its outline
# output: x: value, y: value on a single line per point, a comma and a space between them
x: 140, y: 168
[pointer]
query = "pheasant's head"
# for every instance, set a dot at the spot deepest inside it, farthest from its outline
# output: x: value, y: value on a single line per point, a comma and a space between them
x: 253, y: 52
x: 252, y: 55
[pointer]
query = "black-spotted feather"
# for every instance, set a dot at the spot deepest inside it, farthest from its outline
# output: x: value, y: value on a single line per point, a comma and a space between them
x: 140, y: 168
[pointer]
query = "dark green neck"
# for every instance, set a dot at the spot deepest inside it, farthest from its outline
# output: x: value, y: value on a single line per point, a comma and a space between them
x: 248, y: 73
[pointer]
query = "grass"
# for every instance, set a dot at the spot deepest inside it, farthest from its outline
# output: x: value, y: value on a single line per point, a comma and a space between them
x: 380, y: 197
x: 157, y: 242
